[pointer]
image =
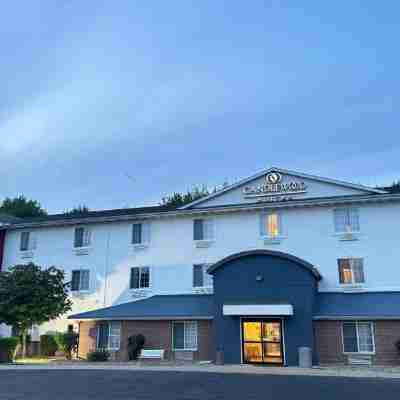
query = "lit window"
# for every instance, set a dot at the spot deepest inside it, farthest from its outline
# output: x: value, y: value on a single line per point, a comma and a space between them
x: 109, y: 335
x: 140, y: 233
x: 185, y: 335
x: 200, y: 276
x: 203, y: 229
x: 271, y: 225
x: 358, y: 337
x: 140, y: 278
x: 351, y: 270
x: 80, y: 280
x: 346, y: 220
x: 82, y: 237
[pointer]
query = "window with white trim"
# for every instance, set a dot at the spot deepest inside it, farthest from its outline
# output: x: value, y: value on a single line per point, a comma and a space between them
x: 270, y: 225
x: 80, y: 280
x: 358, y: 337
x: 204, y: 229
x: 184, y: 335
x: 346, y: 220
x: 140, y: 278
x: 82, y: 237
x: 141, y: 233
x: 109, y: 335
x: 27, y: 241
x: 351, y: 271
x: 201, y: 279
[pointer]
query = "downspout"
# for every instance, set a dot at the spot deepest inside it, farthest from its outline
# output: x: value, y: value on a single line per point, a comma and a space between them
x: 107, y: 260
x: 2, y: 244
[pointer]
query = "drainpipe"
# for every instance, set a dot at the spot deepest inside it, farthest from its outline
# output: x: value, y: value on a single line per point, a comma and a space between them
x: 2, y: 243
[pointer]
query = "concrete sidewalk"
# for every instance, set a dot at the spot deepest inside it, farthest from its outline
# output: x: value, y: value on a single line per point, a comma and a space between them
x: 363, y: 372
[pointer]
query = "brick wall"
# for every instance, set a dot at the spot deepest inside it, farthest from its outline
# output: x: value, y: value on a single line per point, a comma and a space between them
x: 328, y: 338
x: 158, y: 335
x: 87, y: 338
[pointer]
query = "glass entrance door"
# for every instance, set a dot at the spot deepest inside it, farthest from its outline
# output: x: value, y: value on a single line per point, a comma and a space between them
x: 262, y: 341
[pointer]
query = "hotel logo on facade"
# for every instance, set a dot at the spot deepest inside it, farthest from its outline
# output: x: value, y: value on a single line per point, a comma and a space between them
x: 273, y: 186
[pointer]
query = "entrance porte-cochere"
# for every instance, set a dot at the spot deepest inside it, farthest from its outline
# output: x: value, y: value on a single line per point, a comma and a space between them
x: 262, y: 341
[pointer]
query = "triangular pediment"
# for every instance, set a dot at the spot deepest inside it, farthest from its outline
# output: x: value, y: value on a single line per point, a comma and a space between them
x: 276, y: 184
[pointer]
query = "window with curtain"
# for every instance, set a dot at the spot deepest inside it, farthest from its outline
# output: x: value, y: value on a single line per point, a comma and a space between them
x: 351, y: 270
x: 109, y: 335
x: 82, y: 237
x: 80, y: 280
x: 140, y: 278
x: 27, y: 241
x: 358, y: 337
x: 200, y: 276
x: 141, y: 233
x: 270, y: 225
x: 204, y: 229
x: 185, y: 335
x: 346, y: 220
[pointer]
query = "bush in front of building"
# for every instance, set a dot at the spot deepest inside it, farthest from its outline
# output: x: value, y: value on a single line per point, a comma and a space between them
x: 135, y: 346
x: 48, y: 345
x: 98, y: 356
x: 67, y: 342
x: 8, y: 346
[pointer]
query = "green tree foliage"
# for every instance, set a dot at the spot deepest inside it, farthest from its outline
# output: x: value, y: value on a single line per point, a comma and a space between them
x: 177, y: 199
x: 21, y: 207
x: 30, y: 295
x: 67, y: 342
x: 77, y: 211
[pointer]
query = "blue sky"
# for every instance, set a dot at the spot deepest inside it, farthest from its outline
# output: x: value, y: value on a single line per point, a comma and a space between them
x: 118, y: 103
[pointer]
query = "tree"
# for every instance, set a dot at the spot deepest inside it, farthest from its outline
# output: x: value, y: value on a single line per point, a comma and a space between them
x: 30, y: 295
x: 21, y: 207
x: 180, y: 199
x: 77, y: 211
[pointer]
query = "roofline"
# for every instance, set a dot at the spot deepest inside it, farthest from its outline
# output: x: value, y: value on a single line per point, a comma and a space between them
x: 286, y: 172
x: 311, y: 202
x: 262, y: 252
x: 354, y: 317
x: 122, y: 318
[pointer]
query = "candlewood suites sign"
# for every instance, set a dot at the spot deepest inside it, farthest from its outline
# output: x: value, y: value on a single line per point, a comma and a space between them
x: 273, y: 186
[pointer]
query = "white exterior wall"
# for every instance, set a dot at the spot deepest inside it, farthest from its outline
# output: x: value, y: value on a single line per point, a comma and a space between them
x: 308, y: 234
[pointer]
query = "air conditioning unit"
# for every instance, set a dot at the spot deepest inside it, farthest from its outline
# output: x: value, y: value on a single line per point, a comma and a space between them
x: 359, y: 359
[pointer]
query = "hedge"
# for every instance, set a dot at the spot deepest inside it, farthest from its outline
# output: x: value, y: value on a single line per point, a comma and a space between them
x: 7, y: 349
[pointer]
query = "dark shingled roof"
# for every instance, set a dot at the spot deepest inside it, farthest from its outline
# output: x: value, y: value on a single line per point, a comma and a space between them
x: 365, y: 305
x: 99, y: 214
x: 156, y: 307
x: 9, y: 219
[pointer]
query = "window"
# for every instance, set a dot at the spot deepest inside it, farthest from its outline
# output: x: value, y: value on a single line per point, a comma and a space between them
x: 346, y: 220
x: 185, y: 335
x: 80, y: 280
x: 109, y: 335
x: 203, y: 229
x: 358, y: 337
x: 140, y: 278
x: 270, y: 225
x: 27, y: 241
x: 351, y: 270
x: 200, y: 276
x: 140, y: 233
x: 82, y: 237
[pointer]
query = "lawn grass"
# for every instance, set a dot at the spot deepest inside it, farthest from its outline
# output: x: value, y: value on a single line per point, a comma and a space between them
x: 36, y: 360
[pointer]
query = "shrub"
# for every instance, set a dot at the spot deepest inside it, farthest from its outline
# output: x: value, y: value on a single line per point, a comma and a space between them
x: 135, y: 345
x: 8, y: 346
x: 48, y: 345
x: 67, y: 342
x: 98, y: 355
